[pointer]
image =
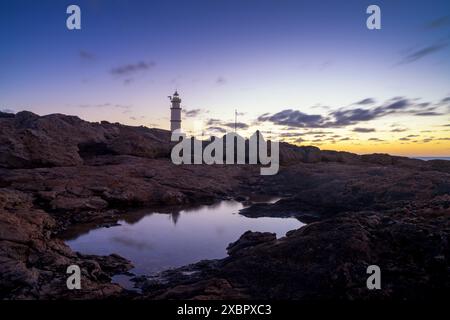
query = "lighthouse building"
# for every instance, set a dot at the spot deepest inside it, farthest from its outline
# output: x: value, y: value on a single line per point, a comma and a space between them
x: 175, y: 112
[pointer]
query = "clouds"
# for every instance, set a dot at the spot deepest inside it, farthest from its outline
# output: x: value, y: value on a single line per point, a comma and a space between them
x: 216, y: 123
x: 363, y: 130
x: 425, y: 51
x: 417, y: 139
x: 409, y: 138
x: 366, y: 101
x: 239, y: 125
x: 85, y: 55
x: 217, y: 129
x: 213, y: 121
x: 289, y: 134
x: 137, y: 118
x: 128, y: 72
x: 350, y: 119
x: 338, y: 118
x: 133, y: 68
x: 221, y: 80
x: 399, y: 104
x: 429, y: 49
x: 428, y: 113
x: 355, y: 114
x: 294, y: 118
x: 315, y: 132
x: 398, y: 130
x: 438, y: 23
x: 105, y: 105
x: 192, y: 113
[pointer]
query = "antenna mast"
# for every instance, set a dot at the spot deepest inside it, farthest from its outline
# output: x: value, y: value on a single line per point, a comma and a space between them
x: 235, y: 120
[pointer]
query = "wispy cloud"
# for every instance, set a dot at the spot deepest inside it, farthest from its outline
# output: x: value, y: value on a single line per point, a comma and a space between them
x: 363, y: 130
x: 221, y: 80
x: 130, y: 69
x: 106, y: 105
x: 85, y: 55
x: 239, y: 125
x: 317, y: 132
x: 294, y: 118
x: 348, y: 116
x: 213, y: 121
x: 289, y: 134
x: 128, y: 81
x: 425, y: 140
x: 366, y: 101
x: 421, y: 53
x: 398, y: 130
x: 428, y: 113
x: 193, y: 112
x: 217, y: 129
x: 438, y: 23
x: 224, y: 124
x: 135, y: 118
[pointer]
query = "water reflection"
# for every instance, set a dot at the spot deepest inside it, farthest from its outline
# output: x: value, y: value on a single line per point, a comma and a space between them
x: 158, y: 241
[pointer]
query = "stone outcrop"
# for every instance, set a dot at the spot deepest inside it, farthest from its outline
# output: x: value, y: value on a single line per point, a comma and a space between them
x: 328, y: 259
x: 33, y: 264
x: 249, y: 239
x: 56, y: 171
x: 29, y: 141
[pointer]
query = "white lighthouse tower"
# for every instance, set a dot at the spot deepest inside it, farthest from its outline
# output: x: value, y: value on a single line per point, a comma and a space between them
x: 175, y: 112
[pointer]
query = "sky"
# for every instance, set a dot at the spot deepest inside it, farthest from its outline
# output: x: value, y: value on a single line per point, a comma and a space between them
x: 305, y: 72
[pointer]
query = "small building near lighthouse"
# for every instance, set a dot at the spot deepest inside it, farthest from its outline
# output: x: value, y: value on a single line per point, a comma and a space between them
x: 175, y: 112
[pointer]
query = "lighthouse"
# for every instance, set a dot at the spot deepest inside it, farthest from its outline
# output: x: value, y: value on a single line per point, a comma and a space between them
x: 175, y: 112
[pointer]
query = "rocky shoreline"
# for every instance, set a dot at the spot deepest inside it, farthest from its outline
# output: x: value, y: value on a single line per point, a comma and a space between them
x: 57, y: 171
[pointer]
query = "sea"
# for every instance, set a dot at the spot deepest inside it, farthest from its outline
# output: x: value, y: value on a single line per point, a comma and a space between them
x: 432, y: 158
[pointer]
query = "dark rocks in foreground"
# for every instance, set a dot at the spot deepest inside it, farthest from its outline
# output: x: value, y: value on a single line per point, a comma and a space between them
x: 57, y: 171
x: 33, y: 263
x: 249, y: 239
x: 327, y: 260
x: 30, y: 141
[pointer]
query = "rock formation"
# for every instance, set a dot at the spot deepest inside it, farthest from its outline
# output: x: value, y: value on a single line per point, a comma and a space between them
x: 57, y: 171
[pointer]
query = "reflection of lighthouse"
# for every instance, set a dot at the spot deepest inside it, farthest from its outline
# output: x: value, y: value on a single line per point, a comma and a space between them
x: 175, y: 112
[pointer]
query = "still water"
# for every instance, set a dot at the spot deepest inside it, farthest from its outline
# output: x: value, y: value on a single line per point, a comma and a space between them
x: 159, y: 241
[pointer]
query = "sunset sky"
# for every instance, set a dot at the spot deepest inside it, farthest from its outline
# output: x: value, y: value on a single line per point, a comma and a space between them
x: 307, y: 72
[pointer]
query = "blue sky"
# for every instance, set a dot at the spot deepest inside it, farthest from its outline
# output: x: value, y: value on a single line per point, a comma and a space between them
x: 258, y: 56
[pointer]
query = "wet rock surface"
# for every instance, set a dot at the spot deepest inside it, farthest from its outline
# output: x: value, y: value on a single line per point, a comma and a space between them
x: 33, y: 263
x: 249, y: 239
x: 327, y: 260
x: 57, y: 171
